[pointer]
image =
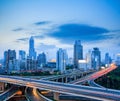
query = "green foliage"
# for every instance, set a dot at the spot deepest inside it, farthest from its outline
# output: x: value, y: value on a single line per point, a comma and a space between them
x: 40, y: 73
x: 69, y: 67
x: 111, y: 80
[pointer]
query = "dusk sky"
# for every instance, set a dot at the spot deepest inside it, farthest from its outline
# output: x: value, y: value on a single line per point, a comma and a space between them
x: 58, y: 23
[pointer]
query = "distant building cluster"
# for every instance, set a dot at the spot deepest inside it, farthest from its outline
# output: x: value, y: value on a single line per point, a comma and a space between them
x: 34, y: 62
x: 29, y: 63
x: 92, y: 60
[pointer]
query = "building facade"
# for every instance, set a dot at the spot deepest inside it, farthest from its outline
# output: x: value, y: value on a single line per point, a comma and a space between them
x: 32, y: 53
x: 31, y: 65
x: 89, y: 59
x: 78, y: 52
x: 61, y: 60
x: 108, y: 60
x: 41, y: 60
x: 22, y: 55
x: 10, y: 60
x: 118, y: 59
x: 96, y: 58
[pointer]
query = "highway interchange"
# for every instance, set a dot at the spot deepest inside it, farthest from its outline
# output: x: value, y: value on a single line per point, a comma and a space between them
x: 71, y: 89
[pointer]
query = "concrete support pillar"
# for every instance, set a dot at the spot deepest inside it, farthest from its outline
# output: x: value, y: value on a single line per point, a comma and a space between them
x: 62, y: 80
x: 81, y: 74
x: 70, y: 78
x: 75, y: 78
x: 56, y: 80
x: 56, y: 96
x: 66, y: 79
x: 2, y: 87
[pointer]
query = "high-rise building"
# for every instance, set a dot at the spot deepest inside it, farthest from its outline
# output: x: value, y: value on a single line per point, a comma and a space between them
x: 41, y: 60
x: 89, y: 59
x: 32, y: 53
x: 22, y: 55
x: 66, y: 57
x: 31, y: 64
x: 22, y: 65
x: 118, y: 59
x: 61, y: 60
x: 22, y: 60
x: 78, y: 52
x: 70, y: 61
x: 107, y: 59
x: 96, y: 59
x: 9, y: 60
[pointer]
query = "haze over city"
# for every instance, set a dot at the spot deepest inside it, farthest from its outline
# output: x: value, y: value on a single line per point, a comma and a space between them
x: 59, y: 50
x: 57, y: 24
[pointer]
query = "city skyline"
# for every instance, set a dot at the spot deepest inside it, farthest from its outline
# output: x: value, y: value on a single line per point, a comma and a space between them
x: 57, y: 24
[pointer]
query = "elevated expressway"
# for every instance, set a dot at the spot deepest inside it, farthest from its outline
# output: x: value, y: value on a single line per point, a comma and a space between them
x: 77, y: 90
x: 91, y: 77
x: 9, y: 93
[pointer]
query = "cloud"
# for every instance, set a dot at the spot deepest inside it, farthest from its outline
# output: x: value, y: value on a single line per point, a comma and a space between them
x: 45, y: 47
x: 41, y: 23
x: 22, y: 39
x: 18, y: 29
x: 70, y: 32
x: 26, y: 39
x: 39, y: 37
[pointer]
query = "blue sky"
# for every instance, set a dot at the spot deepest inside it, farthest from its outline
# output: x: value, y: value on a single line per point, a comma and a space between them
x: 58, y: 23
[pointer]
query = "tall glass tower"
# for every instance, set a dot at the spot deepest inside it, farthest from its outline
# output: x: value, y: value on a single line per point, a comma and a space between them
x: 61, y: 60
x: 78, y: 52
x: 9, y: 60
x: 41, y: 59
x: 32, y: 53
x: 96, y: 58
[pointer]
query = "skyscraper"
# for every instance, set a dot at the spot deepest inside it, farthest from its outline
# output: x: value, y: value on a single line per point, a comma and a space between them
x: 78, y: 52
x: 9, y: 60
x: 31, y: 64
x: 22, y: 54
x: 107, y: 59
x: 41, y: 59
x: 61, y: 60
x: 96, y: 59
x: 89, y: 59
x: 32, y: 53
x: 118, y: 59
x: 22, y: 60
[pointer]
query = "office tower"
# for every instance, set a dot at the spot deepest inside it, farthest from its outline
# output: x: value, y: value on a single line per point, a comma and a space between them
x: 78, y: 52
x: 66, y: 57
x: 22, y: 65
x: 107, y: 60
x: 22, y: 60
x: 9, y: 60
x: 22, y: 55
x: 31, y: 64
x: 70, y: 61
x: 32, y: 53
x: 118, y: 59
x: 1, y: 63
x: 89, y: 59
x: 96, y: 59
x: 41, y: 60
x: 61, y: 60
